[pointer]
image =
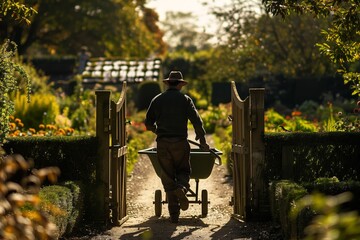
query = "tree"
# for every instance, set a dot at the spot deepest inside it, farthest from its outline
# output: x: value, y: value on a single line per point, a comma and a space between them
x: 18, y: 11
x: 259, y: 45
x: 106, y: 27
x: 182, y: 34
x: 341, y: 38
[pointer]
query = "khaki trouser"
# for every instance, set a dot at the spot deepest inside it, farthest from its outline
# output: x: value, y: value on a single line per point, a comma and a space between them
x: 174, y: 158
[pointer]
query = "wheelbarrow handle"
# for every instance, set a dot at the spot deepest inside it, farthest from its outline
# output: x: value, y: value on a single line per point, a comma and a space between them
x: 210, y: 150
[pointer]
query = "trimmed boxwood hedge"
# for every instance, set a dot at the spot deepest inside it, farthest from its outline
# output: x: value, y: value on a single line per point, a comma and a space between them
x: 315, y: 155
x: 74, y: 155
x: 285, y: 193
x: 63, y: 204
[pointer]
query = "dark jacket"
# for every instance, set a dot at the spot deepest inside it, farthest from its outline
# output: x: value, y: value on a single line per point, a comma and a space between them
x: 168, y: 115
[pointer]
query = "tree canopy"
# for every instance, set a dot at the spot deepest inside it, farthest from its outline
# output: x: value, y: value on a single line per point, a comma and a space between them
x: 107, y: 27
x: 260, y: 45
x: 341, y: 38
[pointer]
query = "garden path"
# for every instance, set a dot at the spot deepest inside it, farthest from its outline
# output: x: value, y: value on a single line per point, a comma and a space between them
x: 143, y: 224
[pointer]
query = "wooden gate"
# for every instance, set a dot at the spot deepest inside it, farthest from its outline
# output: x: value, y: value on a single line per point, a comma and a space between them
x: 248, y: 152
x: 111, y: 167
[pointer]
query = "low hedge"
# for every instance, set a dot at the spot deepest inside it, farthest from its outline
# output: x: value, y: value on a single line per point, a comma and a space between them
x: 314, y: 155
x: 63, y: 204
x: 285, y: 193
x: 74, y: 155
x: 283, y: 197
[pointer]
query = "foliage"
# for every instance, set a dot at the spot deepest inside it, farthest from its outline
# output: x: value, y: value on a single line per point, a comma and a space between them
x: 141, y: 141
x: 114, y: 27
x: 274, y: 122
x: 182, y: 33
x: 60, y: 203
x: 138, y: 138
x: 223, y: 141
x: 21, y: 215
x: 341, y: 38
x: 312, y: 155
x: 349, y: 122
x: 79, y: 108
x: 9, y: 83
x: 259, y: 45
x: 330, y: 223
x: 18, y: 11
x: 147, y: 90
x: 18, y: 129
x: 75, y: 156
x: 215, y: 117
x: 283, y: 197
x: 42, y: 109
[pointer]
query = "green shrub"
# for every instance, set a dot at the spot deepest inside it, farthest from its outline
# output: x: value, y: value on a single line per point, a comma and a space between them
x: 147, y: 90
x: 293, y: 207
x: 330, y: 222
x: 42, y: 109
x: 74, y: 155
x: 314, y: 155
x: 57, y: 202
x: 283, y: 197
x: 215, y: 117
x: 63, y: 205
x: 10, y: 70
x: 223, y: 141
x: 137, y: 143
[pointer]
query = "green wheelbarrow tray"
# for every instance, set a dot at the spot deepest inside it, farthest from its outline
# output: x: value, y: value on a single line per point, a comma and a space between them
x: 201, y: 161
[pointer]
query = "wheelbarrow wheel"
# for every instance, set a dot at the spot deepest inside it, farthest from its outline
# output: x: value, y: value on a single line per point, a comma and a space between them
x: 204, y: 203
x: 158, y: 203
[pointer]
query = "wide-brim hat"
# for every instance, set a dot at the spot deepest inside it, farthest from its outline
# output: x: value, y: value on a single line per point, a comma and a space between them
x: 175, y: 76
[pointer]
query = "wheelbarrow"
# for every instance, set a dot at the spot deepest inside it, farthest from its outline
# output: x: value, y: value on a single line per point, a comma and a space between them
x: 201, y: 163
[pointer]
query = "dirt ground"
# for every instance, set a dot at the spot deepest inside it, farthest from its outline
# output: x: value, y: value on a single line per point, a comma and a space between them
x: 218, y: 224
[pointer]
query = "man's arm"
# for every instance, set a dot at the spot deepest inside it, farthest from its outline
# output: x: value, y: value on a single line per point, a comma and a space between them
x: 197, y: 122
x: 150, y: 119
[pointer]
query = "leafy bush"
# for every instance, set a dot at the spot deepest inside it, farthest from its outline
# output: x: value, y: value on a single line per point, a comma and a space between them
x: 330, y: 223
x: 223, y: 141
x: 21, y: 216
x: 141, y: 141
x: 314, y: 155
x: 215, y: 117
x: 42, y: 109
x: 147, y: 90
x: 274, y: 122
x: 74, y: 155
x: 9, y: 83
x: 63, y: 205
x: 283, y: 197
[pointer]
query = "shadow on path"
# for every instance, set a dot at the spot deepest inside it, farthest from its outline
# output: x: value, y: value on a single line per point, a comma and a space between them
x: 162, y: 228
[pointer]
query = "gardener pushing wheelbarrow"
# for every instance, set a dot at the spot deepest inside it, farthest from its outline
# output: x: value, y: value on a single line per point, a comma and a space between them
x: 167, y: 116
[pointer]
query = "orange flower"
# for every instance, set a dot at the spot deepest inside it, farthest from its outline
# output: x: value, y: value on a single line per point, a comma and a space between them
x: 11, y: 117
x: 287, y: 117
x: 32, y: 130
x: 61, y: 131
x: 12, y: 126
x: 42, y: 126
x: 20, y: 124
x: 17, y: 120
x: 296, y: 113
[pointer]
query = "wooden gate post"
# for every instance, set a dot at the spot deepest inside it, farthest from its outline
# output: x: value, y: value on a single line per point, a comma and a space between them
x: 257, y: 147
x: 102, y: 164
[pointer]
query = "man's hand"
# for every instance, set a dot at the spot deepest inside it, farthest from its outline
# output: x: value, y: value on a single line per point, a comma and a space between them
x: 204, y: 145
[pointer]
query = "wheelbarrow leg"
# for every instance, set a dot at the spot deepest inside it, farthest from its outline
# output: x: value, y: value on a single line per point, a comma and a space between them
x: 197, y: 190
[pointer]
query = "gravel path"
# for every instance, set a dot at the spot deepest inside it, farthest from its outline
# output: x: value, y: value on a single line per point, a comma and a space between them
x: 143, y: 224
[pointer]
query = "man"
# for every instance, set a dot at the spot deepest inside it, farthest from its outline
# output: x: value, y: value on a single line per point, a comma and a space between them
x: 167, y: 116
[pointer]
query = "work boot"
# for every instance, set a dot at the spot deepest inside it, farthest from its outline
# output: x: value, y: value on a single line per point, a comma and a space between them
x: 174, y: 218
x: 183, y: 200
